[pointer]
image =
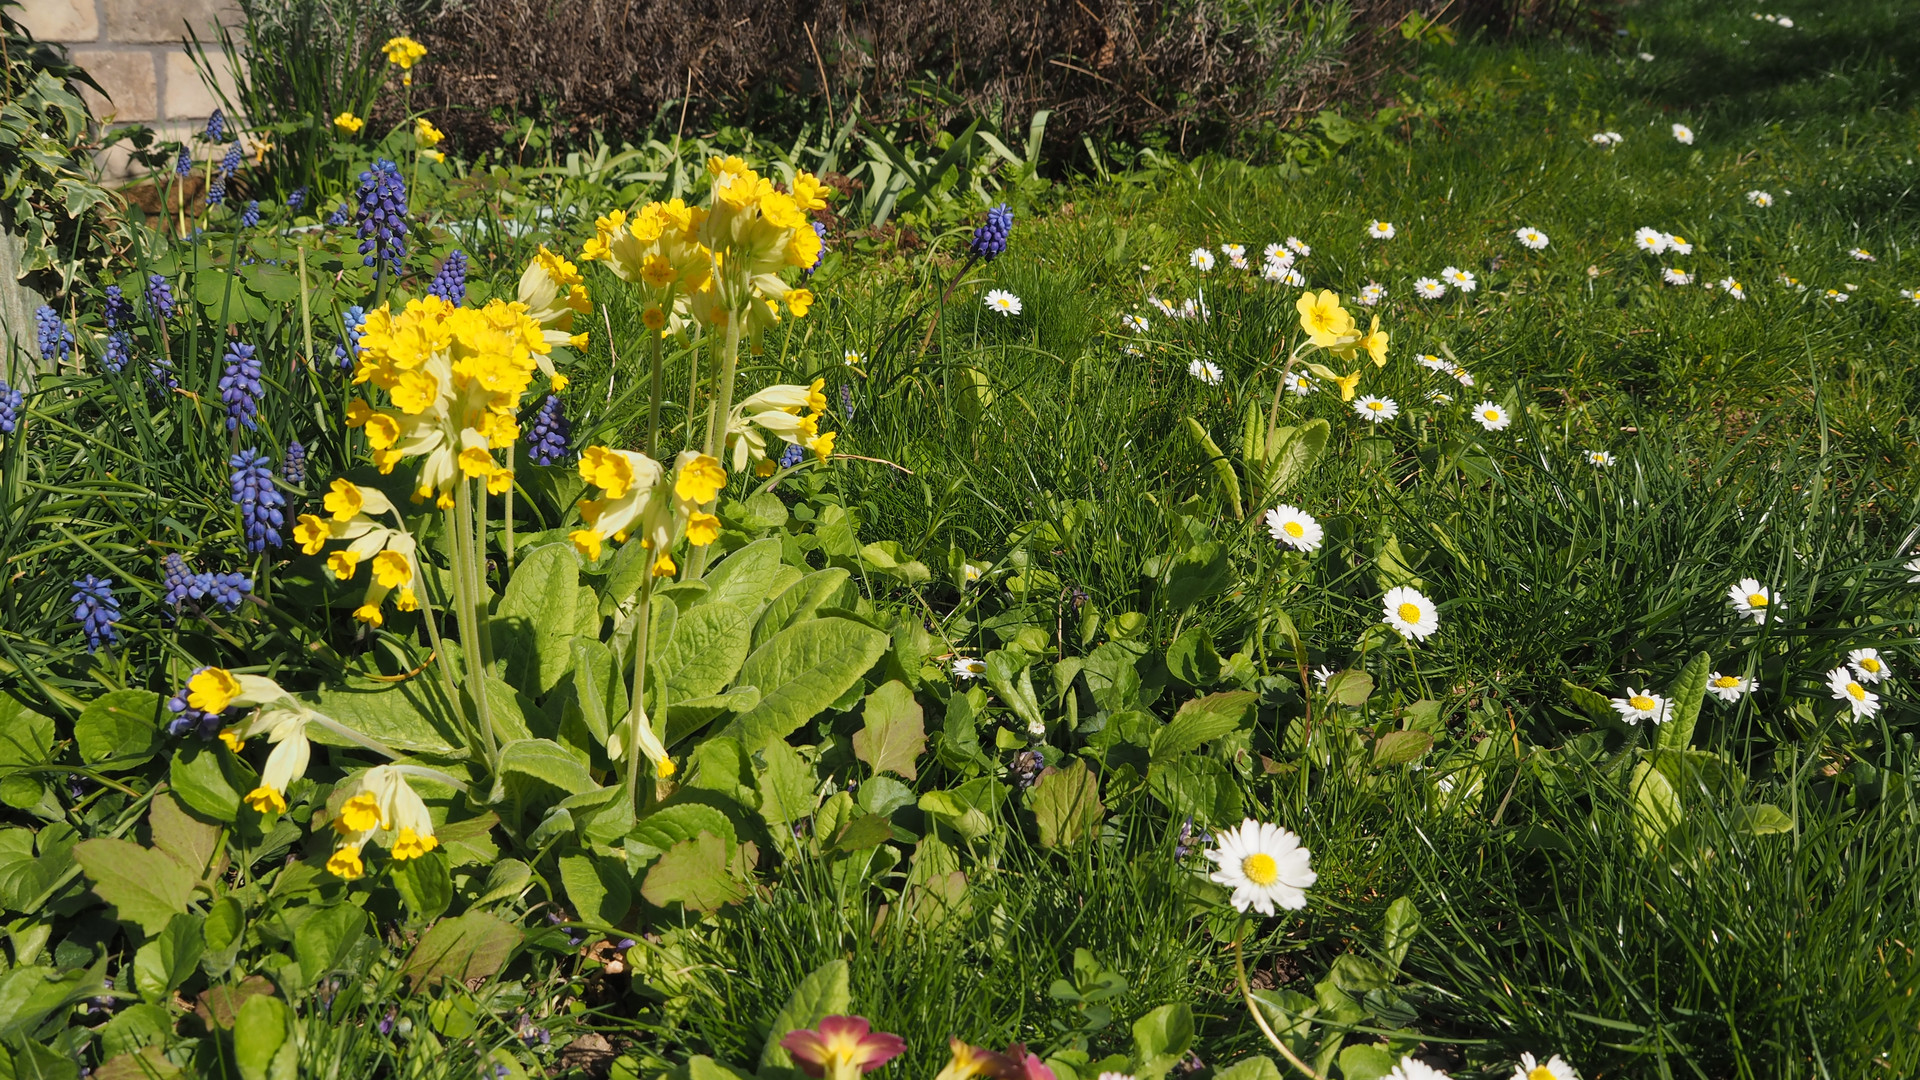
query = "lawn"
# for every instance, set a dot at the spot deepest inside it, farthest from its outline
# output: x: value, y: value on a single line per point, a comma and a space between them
x: 1510, y: 496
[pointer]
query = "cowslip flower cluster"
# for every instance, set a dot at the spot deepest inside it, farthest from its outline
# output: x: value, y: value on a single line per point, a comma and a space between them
x: 389, y: 552
x: 719, y: 263
x: 452, y: 378
x: 380, y: 806
x: 403, y: 52
x: 551, y: 292
x: 789, y: 412
x: 262, y: 506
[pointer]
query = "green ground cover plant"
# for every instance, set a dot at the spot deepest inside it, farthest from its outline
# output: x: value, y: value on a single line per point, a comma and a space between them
x: 1437, y: 600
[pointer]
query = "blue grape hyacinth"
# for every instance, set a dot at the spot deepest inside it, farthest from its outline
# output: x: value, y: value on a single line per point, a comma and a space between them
x: 549, y: 434
x: 96, y: 610
x: 250, y: 217
x: 298, y: 199
x: 293, y: 466
x: 229, y: 589
x: 159, y: 297
x: 10, y: 402
x: 230, y: 164
x: 262, y: 506
x: 240, y: 386
x: 793, y: 455
x: 56, y: 338
x: 450, y: 284
x: 217, y: 194
x: 217, y: 127
x: 819, y: 230
x: 118, y: 311
x: 341, y: 214
x: 380, y: 220
x: 348, y: 351
x: 184, y: 163
x: 990, y: 240
x: 119, y: 350
x: 179, y: 582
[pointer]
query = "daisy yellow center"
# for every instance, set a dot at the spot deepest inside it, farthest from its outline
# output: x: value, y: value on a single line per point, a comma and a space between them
x: 1375, y: 406
x: 1641, y: 702
x: 1540, y: 1072
x: 1870, y: 664
x: 1758, y: 599
x: 1856, y: 691
x: 1726, y: 682
x: 1409, y: 613
x: 1260, y: 868
x: 1491, y: 414
x: 1294, y: 530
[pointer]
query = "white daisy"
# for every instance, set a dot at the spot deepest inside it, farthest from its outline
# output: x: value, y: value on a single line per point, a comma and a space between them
x: 1463, y: 377
x: 1299, y: 384
x: 1377, y: 410
x: 1436, y: 363
x: 1428, y: 289
x: 1163, y: 307
x: 1531, y: 238
x: 1837, y: 296
x: 1206, y: 371
x: 1867, y: 664
x: 1239, y: 262
x: 1200, y: 259
x: 971, y: 572
x: 1912, y: 567
x: 1439, y: 397
x: 1641, y: 705
x: 1299, y: 246
x: 1728, y: 687
x: 1192, y: 309
x: 1136, y: 323
x: 1264, y: 865
x: 1753, y: 600
x: 1381, y: 230
x: 1234, y: 251
x: 968, y: 667
x: 1532, y: 1068
x: 1844, y: 687
x: 1911, y: 294
x: 1784, y: 21
x: 1646, y: 58
x: 1862, y: 254
x: 1650, y: 240
x: 1294, y: 527
x: 1321, y: 674
x: 1004, y: 302
x: 1600, y: 459
x: 1294, y: 278
x: 1459, y: 279
x: 1371, y: 293
x: 1679, y: 245
x: 1412, y: 614
x: 1606, y: 138
x: 1759, y: 198
x: 1276, y: 251
x: 1675, y: 277
x: 1733, y: 288
x: 1412, y: 1068
x: 1491, y: 416
x: 1683, y: 134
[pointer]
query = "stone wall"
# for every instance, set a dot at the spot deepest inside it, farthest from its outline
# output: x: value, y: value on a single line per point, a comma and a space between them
x: 132, y: 48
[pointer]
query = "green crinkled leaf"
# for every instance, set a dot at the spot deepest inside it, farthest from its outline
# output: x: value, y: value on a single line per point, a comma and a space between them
x: 1291, y: 453
x: 1689, y: 690
x: 972, y: 809
x: 1400, y: 748
x: 534, y: 621
x: 745, y: 578
x: 895, y: 732
x: 209, y: 780
x: 190, y: 841
x: 1066, y: 805
x: 1351, y: 688
x: 800, y: 601
x: 1596, y: 706
x: 695, y: 874
x: 1201, y: 721
x: 1250, y: 1068
x: 824, y: 992
x: 1197, y: 573
x: 472, y: 946
x: 405, y: 717
x: 785, y: 783
x: 322, y: 941
x: 597, y: 886
x: 1366, y: 1061
x: 22, y: 876
x: 1656, y: 806
x: 597, y: 694
x: 147, y: 887
x: 675, y: 823
x: 709, y: 642
x: 549, y: 762
x: 799, y: 672
x: 1201, y: 786
x: 118, y: 730
x: 424, y: 884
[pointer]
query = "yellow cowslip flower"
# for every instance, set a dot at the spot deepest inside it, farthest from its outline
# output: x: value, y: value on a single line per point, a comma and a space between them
x: 403, y: 52
x: 434, y: 156
x: 699, y: 480
x: 348, y: 124
x: 1374, y: 343
x: 551, y: 293
x: 345, y: 864
x: 702, y: 529
x: 381, y: 804
x: 627, y: 481
x: 776, y: 411
x: 426, y: 134
x: 1346, y: 383
x: 286, y: 730
x: 231, y: 737
x: 345, y: 500
x: 822, y: 446
x: 1327, y: 323
x: 809, y: 192
x: 214, y: 690
x: 360, y: 813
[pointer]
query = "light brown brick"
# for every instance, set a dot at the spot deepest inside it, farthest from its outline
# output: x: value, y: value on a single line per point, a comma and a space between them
x: 185, y: 96
x: 127, y: 77
x: 61, y: 20
x: 166, y: 20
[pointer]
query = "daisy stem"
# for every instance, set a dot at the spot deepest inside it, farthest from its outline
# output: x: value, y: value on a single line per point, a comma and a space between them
x: 1253, y: 1007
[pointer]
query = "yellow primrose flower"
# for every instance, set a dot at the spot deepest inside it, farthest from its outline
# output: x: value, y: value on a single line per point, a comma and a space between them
x: 361, y: 813
x: 382, y: 804
x: 702, y: 529
x: 348, y: 124
x: 1326, y: 323
x: 1374, y: 341
x: 345, y: 864
x: 404, y: 52
x: 699, y: 480
x: 426, y: 134
x: 434, y: 156
x: 212, y: 690
x: 286, y: 730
